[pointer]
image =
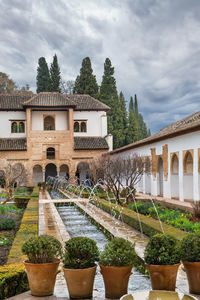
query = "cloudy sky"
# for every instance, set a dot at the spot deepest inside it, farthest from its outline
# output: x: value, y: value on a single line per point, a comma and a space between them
x: 154, y: 46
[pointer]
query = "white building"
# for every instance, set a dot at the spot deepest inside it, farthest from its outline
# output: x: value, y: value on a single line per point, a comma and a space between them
x: 175, y: 156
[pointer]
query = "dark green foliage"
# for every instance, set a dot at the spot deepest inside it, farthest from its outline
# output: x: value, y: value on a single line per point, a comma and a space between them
x: 7, y: 224
x: 118, y: 252
x: 80, y: 253
x: 43, y: 76
x: 55, y: 77
x: 132, y: 132
x: 136, y: 107
x: 122, y: 101
x: 42, y: 249
x: 21, y: 201
x: 162, y: 249
x: 109, y: 96
x: 190, y: 248
x: 86, y: 82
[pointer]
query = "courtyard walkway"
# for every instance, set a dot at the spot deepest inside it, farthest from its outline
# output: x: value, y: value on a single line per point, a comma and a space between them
x: 51, y: 223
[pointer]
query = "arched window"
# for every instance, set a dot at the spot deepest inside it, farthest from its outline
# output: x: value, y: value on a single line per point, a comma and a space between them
x: 188, y: 163
x: 21, y: 127
x: 175, y: 164
x: 50, y: 153
x: 76, y: 127
x: 14, y: 127
x: 49, y: 123
x: 83, y: 127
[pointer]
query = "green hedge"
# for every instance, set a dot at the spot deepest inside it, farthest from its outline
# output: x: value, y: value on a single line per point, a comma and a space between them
x: 35, y: 192
x: 150, y: 226
x: 13, y: 279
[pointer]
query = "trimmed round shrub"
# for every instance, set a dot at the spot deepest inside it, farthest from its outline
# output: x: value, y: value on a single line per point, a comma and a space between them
x: 80, y: 253
x: 42, y: 249
x: 7, y: 224
x: 190, y: 248
x: 162, y: 249
x: 118, y: 252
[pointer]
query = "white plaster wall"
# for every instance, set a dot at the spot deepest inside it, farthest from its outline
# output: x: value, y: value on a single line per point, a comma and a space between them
x: 96, y: 123
x: 5, y: 124
x: 147, y: 188
x: 174, y: 185
x: 188, y: 188
x: 61, y: 122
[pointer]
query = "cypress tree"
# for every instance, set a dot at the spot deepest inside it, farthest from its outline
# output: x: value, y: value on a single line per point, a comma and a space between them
x: 124, y: 118
x: 55, y: 77
x: 86, y: 82
x: 43, y: 77
x: 149, y: 132
x: 136, y: 107
x: 132, y: 132
x: 109, y: 96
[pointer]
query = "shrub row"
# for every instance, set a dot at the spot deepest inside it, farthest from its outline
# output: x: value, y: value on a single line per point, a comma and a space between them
x: 13, y: 279
x: 150, y: 226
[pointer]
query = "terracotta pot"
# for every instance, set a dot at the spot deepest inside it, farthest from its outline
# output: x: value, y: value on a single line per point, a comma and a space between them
x: 80, y: 282
x: 163, y: 277
x: 193, y: 275
x: 115, y: 280
x: 42, y: 277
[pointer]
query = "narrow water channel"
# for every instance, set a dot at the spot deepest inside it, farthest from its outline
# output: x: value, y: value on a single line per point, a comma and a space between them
x: 78, y: 224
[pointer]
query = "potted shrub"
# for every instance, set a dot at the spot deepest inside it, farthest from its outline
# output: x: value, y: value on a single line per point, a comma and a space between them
x: 79, y: 259
x: 116, y: 262
x: 42, y: 264
x: 190, y: 256
x: 162, y: 257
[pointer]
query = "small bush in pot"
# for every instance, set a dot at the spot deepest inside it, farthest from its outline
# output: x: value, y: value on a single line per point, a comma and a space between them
x: 162, y: 257
x: 116, y: 262
x: 79, y: 259
x: 190, y: 256
x: 43, y: 254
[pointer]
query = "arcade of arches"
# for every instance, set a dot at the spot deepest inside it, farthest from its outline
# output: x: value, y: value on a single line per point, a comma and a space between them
x: 176, y: 175
x: 40, y: 173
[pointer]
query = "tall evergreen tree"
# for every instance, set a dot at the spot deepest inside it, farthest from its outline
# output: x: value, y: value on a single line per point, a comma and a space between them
x: 132, y: 132
x: 136, y: 107
x: 55, y: 78
x: 86, y: 82
x: 43, y: 77
x: 109, y: 96
x: 122, y: 101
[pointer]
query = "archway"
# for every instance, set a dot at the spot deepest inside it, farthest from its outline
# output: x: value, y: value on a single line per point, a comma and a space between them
x: 50, y: 170
x: 188, y: 176
x: 64, y: 171
x: 160, y: 177
x: 37, y: 174
x: 82, y: 172
x: 174, y: 182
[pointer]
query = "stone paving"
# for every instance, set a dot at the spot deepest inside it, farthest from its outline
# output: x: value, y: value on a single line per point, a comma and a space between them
x: 51, y: 223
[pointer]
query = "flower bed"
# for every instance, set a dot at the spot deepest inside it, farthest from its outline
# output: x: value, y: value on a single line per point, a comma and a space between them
x: 10, y: 218
x: 175, y: 217
x: 13, y: 279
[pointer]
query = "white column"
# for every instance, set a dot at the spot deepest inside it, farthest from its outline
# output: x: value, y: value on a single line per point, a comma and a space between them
x: 195, y: 176
x: 144, y: 178
x: 181, y: 197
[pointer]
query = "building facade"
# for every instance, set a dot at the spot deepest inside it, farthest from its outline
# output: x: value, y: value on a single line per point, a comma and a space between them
x: 53, y: 134
x: 174, y: 153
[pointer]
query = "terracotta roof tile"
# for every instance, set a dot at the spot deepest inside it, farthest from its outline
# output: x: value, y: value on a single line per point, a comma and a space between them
x: 49, y: 99
x: 12, y: 144
x: 12, y: 102
x: 90, y: 143
x: 192, y: 122
x: 86, y: 102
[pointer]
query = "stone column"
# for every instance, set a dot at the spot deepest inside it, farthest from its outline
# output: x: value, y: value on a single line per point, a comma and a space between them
x: 181, y: 196
x: 195, y: 176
